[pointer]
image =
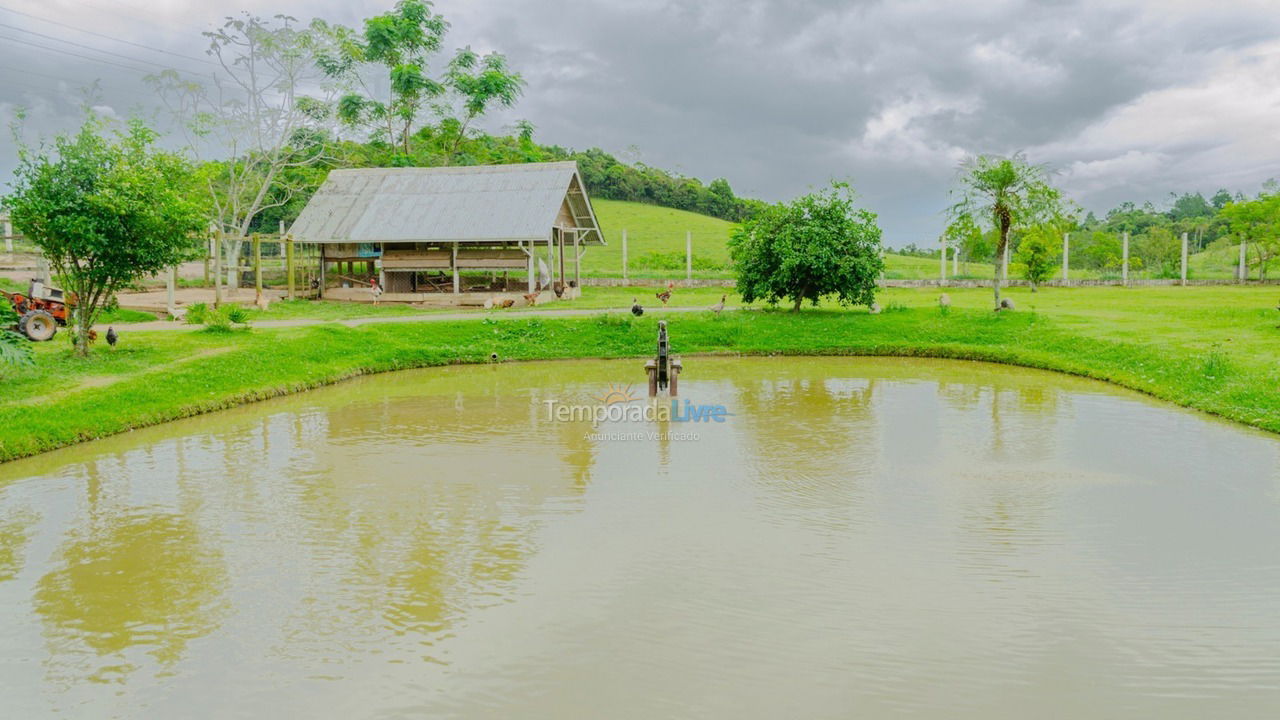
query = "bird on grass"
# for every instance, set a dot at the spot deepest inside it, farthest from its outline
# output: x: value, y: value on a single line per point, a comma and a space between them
x: 113, y: 337
x: 635, y: 308
x: 666, y: 295
x: 506, y: 302
x: 532, y: 298
x: 719, y: 307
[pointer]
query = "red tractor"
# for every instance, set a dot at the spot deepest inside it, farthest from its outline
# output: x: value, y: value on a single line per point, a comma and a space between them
x: 41, y: 310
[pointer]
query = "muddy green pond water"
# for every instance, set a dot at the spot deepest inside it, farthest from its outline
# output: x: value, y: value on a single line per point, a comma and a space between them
x: 857, y: 538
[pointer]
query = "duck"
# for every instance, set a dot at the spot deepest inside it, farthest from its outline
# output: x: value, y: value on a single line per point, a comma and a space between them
x: 635, y: 308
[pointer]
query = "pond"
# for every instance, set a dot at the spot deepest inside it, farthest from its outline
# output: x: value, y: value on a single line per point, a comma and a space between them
x: 867, y: 536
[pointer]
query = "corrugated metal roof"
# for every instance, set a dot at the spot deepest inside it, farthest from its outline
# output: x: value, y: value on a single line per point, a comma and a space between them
x: 485, y: 203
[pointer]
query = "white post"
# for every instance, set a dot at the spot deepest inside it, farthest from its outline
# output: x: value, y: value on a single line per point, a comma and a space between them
x: 942, y: 265
x: 8, y: 235
x: 577, y: 263
x: 170, y: 280
x: 42, y: 269
x: 1124, y: 265
x: 624, y: 253
x: 1244, y: 261
x: 955, y: 261
x: 688, y: 254
x: 454, y: 264
x: 1184, y: 258
x: 1066, y: 252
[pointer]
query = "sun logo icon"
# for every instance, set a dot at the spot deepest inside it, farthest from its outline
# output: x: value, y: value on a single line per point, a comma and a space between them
x: 617, y: 394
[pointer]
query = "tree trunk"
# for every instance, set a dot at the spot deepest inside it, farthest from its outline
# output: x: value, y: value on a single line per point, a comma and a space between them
x: 796, y: 307
x: 1003, y: 223
x: 82, y: 333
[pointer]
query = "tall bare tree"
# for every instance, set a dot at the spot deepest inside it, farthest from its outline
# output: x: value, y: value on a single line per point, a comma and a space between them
x: 264, y: 111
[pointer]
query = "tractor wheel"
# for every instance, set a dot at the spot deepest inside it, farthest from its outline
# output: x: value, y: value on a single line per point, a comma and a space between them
x: 38, y: 326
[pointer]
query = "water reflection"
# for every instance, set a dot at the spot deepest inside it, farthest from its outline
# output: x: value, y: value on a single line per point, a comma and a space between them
x: 874, y: 536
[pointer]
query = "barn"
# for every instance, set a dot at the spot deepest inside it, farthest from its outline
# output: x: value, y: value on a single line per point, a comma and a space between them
x: 443, y: 234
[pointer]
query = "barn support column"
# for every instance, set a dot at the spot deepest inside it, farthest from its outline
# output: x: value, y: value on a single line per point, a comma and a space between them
x: 528, y: 251
x: 577, y: 261
x: 453, y: 263
x: 563, y: 283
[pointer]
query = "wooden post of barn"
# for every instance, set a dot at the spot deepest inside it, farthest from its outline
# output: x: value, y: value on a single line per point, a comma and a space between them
x: 564, y: 283
x: 577, y: 262
x: 1244, y: 261
x: 1184, y: 258
x: 288, y: 264
x: 457, y: 282
x: 1066, y: 253
x: 257, y: 269
x: 1124, y: 262
x: 688, y: 255
x: 624, y: 253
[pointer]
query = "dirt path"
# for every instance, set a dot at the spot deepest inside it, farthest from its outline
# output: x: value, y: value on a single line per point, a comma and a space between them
x: 166, y: 326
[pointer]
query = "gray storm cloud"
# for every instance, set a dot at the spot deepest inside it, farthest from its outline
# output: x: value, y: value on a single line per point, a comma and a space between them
x: 1127, y: 101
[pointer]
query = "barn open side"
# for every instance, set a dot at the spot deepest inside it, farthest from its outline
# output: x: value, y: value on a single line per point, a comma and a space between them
x: 451, y: 235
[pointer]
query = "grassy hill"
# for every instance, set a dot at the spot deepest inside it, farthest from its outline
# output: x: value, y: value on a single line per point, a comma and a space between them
x: 655, y: 244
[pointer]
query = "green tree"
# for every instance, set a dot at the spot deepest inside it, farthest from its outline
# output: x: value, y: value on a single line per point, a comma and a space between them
x: 481, y: 83
x: 1008, y: 193
x: 1256, y: 222
x: 401, y: 42
x: 819, y: 244
x: 1037, y: 252
x: 106, y: 212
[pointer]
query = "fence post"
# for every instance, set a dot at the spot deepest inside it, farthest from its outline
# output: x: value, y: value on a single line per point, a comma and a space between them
x: 217, y: 269
x: 942, y: 265
x: 955, y: 261
x: 1066, y: 254
x: 42, y: 269
x: 257, y: 269
x: 1124, y: 266
x: 1184, y: 258
x: 170, y: 280
x: 624, y: 253
x: 8, y: 234
x: 1244, y: 262
x: 688, y: 255
x: 288, y: 263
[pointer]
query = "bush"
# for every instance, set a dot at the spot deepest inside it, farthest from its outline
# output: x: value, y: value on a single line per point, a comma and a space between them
x: 14, y: 348
x: 217, y: 319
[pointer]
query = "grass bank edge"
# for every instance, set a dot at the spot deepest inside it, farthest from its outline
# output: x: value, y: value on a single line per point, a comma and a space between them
x: 270, y: 364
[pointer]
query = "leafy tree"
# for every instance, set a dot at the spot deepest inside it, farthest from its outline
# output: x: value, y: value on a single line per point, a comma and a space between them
x: 401, y: 42
x: 1006, y: 194
x: 1037, y: 253
x: 819, y: 244
x: 481, y: 83
x: 1257, y: 222
x: 1161, y: 250
x: 106, y: 212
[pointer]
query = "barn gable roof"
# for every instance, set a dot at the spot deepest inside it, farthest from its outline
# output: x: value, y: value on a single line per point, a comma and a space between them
x: 486, y: 203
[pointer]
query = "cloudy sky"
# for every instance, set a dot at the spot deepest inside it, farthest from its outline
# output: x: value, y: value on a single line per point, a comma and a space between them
x: 1125, y: 100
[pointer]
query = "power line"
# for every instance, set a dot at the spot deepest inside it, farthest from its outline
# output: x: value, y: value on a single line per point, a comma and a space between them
x: 206, y: 61
x: 80, y: 83
x: 73, y: 54
x: 83, y: 46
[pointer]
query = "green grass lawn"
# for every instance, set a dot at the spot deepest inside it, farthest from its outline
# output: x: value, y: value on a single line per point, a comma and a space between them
x: 1215, y: 349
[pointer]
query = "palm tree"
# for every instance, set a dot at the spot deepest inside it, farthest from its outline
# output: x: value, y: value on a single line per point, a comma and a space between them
x: 1008, y: 192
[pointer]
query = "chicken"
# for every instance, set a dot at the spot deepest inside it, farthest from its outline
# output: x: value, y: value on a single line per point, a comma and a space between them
x: 507, y: 302
x: 718, y: 307
x: 532, y: 298
x: 666, y: 295
x: 112, y: 336
x: 635, y: 308
x: 558, y: 288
